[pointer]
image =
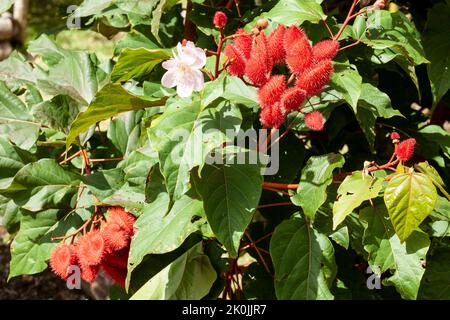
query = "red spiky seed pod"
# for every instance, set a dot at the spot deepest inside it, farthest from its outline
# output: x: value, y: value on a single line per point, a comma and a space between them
x: 272, y: 116
x: 220, y: 20
x: 63, y: 256
x: 395, y: 136
x: 244, y: 42
x: 237, y: 63
x: 115, y: 274
x: 276, y: 44
x: 90, y: 248
x: 116, y: 237
x: 314, y: 79
x: 292, y: 99
x: 259, y: 65
x: 315, y: 121
x: 298, y: 50
x: 292, y: 36
x: 122, y: 218
x: 270, y: 93
x: 405, y: 149
x: 325, y: 50
x: 89, y: 273
x: 118, y: 259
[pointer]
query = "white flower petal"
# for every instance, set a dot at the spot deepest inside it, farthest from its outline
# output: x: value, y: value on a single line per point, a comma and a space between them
x: 199, y: 80
x: 185, y: 86
x: 189, y: 56
x: 170, y: 64
x: 169, y: 78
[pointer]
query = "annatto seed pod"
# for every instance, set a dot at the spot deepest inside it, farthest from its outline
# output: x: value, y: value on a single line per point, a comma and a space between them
x: 276, y: 44
x: 116, y: 238
x: 314, y: 79
x: 325, y: 50
x: 237, y: 62
x: 298, y: 50
x: 315, y: 121
x: 270, y: 93
x: 259, y: 65
x: 122, y: 218
x: 272, y: 116
x: 220, y: 20
x: 405, y: 149
x: 89, y: 273
x: 292, y: 99
x: 243, y: 42
x: 90, y: 248
x: 116, y: 274
x: 63, y: 256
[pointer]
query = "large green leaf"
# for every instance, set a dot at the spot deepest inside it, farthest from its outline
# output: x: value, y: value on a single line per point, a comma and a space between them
x: 135, y: 63
x: 316, y: 177
x: 373, y: 104
x: 12, y: 159
x: 125, y: 131
x: 297, y: 254
x: 16, y: 122
x: 5, y: 5
x: 347, y: 82
x: 159, y: 231
x: 190, y: 277
x: 438, y: 135
x: 110, y: 101
x: 353, y: 191
x: 437, y: 48
x: 184, y: 136
x: 388, y: 253
x: 230, y: 193
x: 42, y: 185
x: 436, y: 280
x: 33, y: 245
x: 295, y: 12
x: 410, y: 198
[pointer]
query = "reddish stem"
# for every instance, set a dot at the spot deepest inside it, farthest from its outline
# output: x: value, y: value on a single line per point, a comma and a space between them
x: 347, y: 20
x: 279, y: 204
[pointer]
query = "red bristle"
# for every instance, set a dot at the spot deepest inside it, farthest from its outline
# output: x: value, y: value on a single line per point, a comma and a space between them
x: 276, y: 44
x: 90, y: 248
x: 116, y: 274
x: 292, y: 99
x: 314, y: 79
x: 315, y: 121
x: 271, y: 92
x: 259, y: 65
x: 121, y: 217
x: 89, y: 273
x: 405, y: 149
x: 292, y: 36
x: 116, y: 238
x: 237, y: 63
x: 220, y: 19
x: 272, y: 116
x: 63, y: 256
x: 395, y: 136
x: 325, y: 50
x: 244, y: 42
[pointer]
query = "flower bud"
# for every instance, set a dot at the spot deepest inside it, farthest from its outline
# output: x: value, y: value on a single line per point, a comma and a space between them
x: 262, y: 23
x: 220, y: 20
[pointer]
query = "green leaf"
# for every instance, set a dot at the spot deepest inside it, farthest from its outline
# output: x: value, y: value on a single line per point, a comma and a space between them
x: 436, y: 280
x: 316, y: 176
x: 32, y: 246
x: 12, y: 159
x: 290, y: 12
x: 125, y: 131
x: 347, y: 81
x: 353, y: 191
x: 190, y: 277
x: 373, y: 104
x: 110, y: 101
x: 230, y: 193
x: 432, y: 173
x: 438, y: 135
x: 42, y: 185
x: 136, y: 63
x: 388, y: 253
x: 184, y: 136
x: 410, y: 198
x: 158, y: 231
x: 437, y: 47
x: 297, y: 254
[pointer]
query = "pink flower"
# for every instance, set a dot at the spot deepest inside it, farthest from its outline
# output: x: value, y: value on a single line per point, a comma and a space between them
x: 184, y: 70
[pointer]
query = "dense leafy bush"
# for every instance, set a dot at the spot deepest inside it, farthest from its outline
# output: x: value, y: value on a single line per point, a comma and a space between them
x: 357, y: 207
